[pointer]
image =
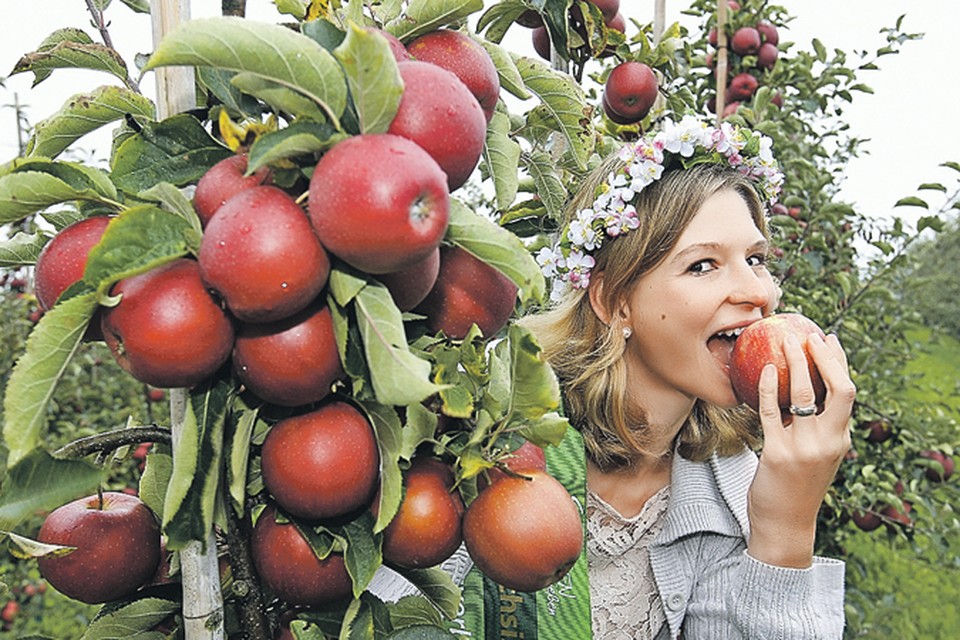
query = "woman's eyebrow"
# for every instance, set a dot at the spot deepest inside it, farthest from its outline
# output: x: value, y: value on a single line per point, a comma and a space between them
x: 761, y: 245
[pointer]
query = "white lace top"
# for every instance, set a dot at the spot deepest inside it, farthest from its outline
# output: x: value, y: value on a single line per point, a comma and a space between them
x: 624, y: 600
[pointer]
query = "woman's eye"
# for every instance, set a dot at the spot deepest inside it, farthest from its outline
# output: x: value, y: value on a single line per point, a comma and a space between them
x: 757, y: 260
x: 703, y: 266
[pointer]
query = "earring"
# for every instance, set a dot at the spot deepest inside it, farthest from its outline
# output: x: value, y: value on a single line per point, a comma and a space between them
x: 627, y: 332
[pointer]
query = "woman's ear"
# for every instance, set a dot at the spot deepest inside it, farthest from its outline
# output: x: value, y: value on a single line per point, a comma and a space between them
x: 595, y: 291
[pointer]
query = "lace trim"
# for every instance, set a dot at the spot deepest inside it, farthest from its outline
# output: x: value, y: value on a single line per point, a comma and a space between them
x: 624, y: 599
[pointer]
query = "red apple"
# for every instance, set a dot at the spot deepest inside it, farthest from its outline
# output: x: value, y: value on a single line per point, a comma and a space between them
x: 608, y: 8
x: 261, y: 256
x: 411, y: 285
x: 745, y: 41
x: 222, y: 181
x: 767, y: 55
x: 167, y: 330
x: 287, y: 564
x: 945, y: 461
x: 524, y: 533
x: 742, y: 87
x: 630, y: 91
x: 322, y: 464
x: 460, y: 54
x: 379, y: 202
x: 117, y: 547
x: 898, y: 515
x: 731, y: 108
x: 768, y: 32
x: 289, y: 362
x: 468, y: 291
x: 530, y: 19
x: 10, y: 610
x: 877, y: 430
x: 396, y: 47
x: 866, y: 520
x: 541, y: 41
x: 438, y: 112
x: 427, y: 528
x: 526, y: 457
x: 617, y: 23
x: 63, y: 259
x: 762, y: 343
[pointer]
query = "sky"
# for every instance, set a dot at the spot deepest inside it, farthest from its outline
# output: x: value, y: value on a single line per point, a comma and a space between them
x: 910, y: 120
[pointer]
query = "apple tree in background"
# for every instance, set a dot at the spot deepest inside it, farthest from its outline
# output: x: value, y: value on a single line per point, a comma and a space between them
x: 241, y: 262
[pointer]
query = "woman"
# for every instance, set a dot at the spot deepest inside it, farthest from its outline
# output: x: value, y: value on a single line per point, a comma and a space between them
x: 660, y: 266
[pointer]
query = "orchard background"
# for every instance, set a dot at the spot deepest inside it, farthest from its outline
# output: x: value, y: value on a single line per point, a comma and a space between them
x: 883, y: 284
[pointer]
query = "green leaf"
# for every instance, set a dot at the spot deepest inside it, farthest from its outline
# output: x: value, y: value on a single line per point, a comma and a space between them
x: 133, y: 620
x: 497, y: 247
x: 25, y: 548
x: 930, y: 222
x: 363, y: 555
x: 50, y: 347
x: 177, y: 150
x: 345, y: 285
x: 821, y: 51
x: 499, y: 17
x: 932, y: 186
x: 140, y: 6
x: 271, y: 51
x: 510, y: 78
x: 548, y: 429
x: 172, y: 199
x: 188, y: 511
x: 373, y: 78
x: 502, y: 156
x: 411, y: 611
x: 566, y: 104
x: 84, y: 113
x: 155, y: 480
x: 398, y: 376
x: 553, y: 195
x: 420, y: 427
x: 421, y: 632
x: 424, y: 16
x: 437, y: 586
x: 69, y: 54
x: 534, y: 386
x: 951, y: 165
x: 219, y: 82
x: 911, y: 201
x: 38, y: 184
x: 240, y: 428
x: 136, y: 241
x: 387, y: 426
x: 299, y: 139
x: 280, y: 98
x: 22, y: 249
x: 39, y: 482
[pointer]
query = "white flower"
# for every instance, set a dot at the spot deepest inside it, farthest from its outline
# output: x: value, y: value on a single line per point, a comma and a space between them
x: 549, y: 260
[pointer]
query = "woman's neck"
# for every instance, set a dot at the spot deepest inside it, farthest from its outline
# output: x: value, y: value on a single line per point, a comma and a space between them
x: 627, y: 489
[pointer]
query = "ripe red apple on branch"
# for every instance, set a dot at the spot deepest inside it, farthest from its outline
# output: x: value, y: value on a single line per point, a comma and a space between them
x: 761, y: 343
x: 63, y: 259
x: 222, y: 181
x: 427, y: 528
x: 630, y: 92
x: 379, y: 216
x: 524, y: 532
x: 117, y: 542
x: 322, y: 464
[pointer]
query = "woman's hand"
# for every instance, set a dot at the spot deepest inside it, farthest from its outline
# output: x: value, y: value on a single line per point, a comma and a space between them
x: 799, y: 459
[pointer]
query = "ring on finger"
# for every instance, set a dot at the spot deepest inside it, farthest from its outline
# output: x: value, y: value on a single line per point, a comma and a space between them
x: 802, y: 412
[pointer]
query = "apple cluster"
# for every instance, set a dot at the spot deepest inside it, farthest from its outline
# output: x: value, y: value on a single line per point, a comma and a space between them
x: 753, y: 44
x: 609, y: 10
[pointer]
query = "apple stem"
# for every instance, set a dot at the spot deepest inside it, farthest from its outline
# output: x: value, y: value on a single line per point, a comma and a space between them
x: 99, y: 497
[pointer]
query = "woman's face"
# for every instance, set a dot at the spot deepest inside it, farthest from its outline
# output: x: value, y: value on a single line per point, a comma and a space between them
x: 685, y: 313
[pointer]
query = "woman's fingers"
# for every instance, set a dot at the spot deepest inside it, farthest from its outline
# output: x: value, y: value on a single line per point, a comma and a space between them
x: 831, y: 361
x: 801, y: 387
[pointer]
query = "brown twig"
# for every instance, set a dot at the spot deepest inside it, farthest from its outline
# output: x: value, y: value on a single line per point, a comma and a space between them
x: 111, y: 440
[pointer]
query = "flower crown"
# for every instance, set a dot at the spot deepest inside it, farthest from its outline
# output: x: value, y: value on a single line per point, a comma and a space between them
x: 690, y: 142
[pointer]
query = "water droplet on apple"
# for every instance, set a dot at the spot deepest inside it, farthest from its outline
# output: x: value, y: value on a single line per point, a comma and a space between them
x: 283, y: 285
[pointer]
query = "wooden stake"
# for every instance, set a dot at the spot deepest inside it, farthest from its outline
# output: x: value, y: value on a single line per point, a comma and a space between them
x: 721, y: 73
x: 200, y: 572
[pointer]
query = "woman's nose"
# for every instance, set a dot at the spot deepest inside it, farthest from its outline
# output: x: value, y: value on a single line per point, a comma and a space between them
x: 753, y: 287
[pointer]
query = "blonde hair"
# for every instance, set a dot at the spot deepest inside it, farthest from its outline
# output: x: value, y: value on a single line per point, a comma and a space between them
x: 587, y: 354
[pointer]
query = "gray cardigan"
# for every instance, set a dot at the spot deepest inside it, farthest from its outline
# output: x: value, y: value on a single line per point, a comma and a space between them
x: 711, y: 589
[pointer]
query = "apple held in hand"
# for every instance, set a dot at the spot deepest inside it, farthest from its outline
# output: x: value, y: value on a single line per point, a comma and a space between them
x: 762, y: 343
x: 460, y: 54
x: 322, y: 464
x: 167, y: 330
x: 260, y: 254
x: 289, y: 567
x: 438, y: 112
x: 289, y: 362
x: 117, y: 547
x: 379, y: 202
x: 524, y: 533
x: 468, y: 291
x: 222, y: 181
x: 427, y: 528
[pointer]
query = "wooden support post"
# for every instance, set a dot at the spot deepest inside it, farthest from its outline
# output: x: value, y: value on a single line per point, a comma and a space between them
x: 200, y: 573
x: 721, y: 72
